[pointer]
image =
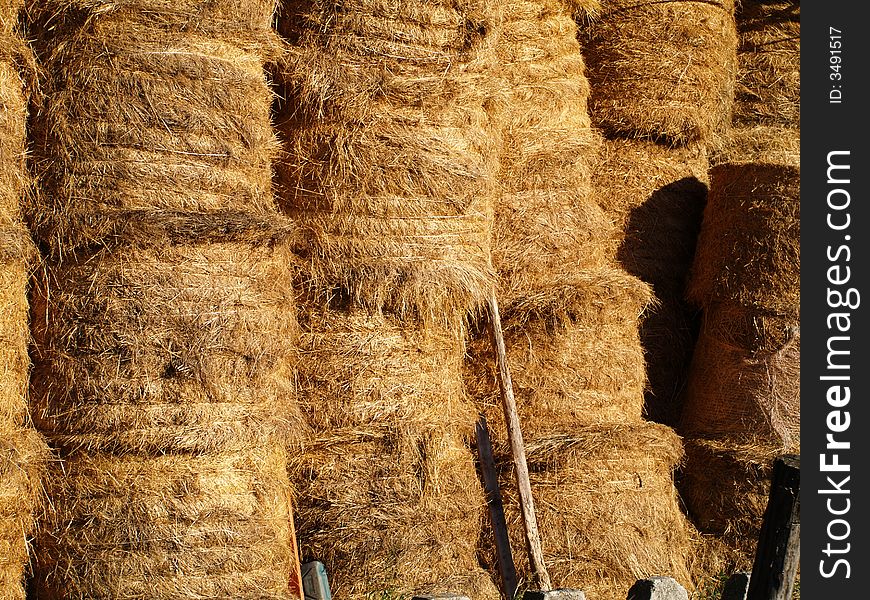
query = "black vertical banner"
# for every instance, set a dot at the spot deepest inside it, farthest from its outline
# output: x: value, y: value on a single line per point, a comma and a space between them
x: 835, y: 299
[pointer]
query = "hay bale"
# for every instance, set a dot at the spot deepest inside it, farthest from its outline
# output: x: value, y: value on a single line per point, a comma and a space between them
x: 725, y: 484
x: 548, y: 229
x: 146, y: 117
x: 607, y: 508
x: 656, y: 195
x: 664, y: 71
x: 567, y: 375
x: 165, y: 312
x: 22, y: 450
x: 748, y: 250
x: 389, y: 161
x: 170, y: 526
x: 768, y: 58
x: 745, y: 376
x: 388, y: 497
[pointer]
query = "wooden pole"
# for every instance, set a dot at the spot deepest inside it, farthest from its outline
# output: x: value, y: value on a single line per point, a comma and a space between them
x: 778, y: 552
x: 296, y: 588
x: 506, y: 568
x: 521, y: 469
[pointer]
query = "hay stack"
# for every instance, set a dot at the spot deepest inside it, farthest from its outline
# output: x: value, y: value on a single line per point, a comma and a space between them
x: 743, y: 396
x: 389, y: 168
x: 388, y: 496
x: 570, y: 317
x: 164, y: 315
x: 662, y: 70
x: 389, y: 162
x: 548, y: 230
x: 22, y: 451
x: 606, y: 506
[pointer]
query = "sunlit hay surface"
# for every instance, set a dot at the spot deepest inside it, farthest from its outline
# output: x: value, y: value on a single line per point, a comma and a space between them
x: 606, y: 505
x: 388, y: 497
x: 22, y: 451
x: 566, y: 375
x: 662, y: 70
x: 390, y: 159
x: 151, y: 112
x: 548, y: 228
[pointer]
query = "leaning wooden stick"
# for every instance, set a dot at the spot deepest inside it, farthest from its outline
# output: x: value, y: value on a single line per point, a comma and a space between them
x: 518, y: 451
x: 506, y: 568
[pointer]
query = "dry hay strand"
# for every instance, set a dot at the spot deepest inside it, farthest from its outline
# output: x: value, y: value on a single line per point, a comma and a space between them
x: 662, y: 70
x: 182, y: 349
x: 547, y: 226
x: 761, y: 144
x: 745, y: 376
x: 768, y: 75
x: 606, y: 506
x: 166, y: 526
x: 387, y: 492
x: 566, y: 374
x: 668, y: 333
x: 389, y: 160
x: 151, y: 109
x: 725, y: 484
x: 748, y: 250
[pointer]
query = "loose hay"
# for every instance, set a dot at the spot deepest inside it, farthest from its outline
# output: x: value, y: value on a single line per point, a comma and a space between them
x: 761, y: 144
x: 662, y: 70
x: 606, y: 506
x: 22, y: 451
x: 749, y: 247
x: 164, y: 312
x: 387, y: 494
x: 389, y: 158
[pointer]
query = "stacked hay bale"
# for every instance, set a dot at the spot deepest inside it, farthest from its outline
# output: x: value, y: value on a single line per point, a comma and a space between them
x: 600, y: 475
x: 750, y: 295
x: 164, y: 316
x: 743, y: 396
x: 662, y: 77
x: 389, y: 169
x: 21, y: 449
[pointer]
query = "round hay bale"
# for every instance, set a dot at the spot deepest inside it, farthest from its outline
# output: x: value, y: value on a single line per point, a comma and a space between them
x: 606, y: 506
x: 748, y: 251
x: 170, y: 526
x: 725, y: 483
x: 182, y: 349
x: 145, y: 115
x: 662, y: 70
x: 390, y: 163
x: 768, y: 57
x: 745, y: 376
x: 566, y: 375
x: 388, y: 497
x: 548, y: 228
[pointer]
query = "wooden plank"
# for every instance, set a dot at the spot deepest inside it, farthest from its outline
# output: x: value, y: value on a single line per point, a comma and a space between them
x: 778, y: 552
x: 518, y: 451
x: 506, y: 568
